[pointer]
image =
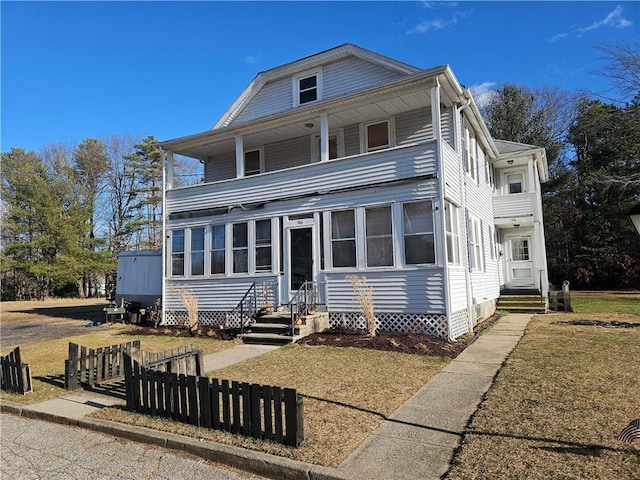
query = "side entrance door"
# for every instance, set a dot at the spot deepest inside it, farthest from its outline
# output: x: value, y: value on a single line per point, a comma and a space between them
x: 300, y: 248
x: 520, y: 262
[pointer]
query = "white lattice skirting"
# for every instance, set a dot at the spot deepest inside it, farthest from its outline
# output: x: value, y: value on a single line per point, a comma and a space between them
x: 459, y: 323
x: 433, y: 324
x: 211, y: 318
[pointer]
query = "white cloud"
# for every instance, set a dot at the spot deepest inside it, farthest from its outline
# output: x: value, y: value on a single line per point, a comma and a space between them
x: 483, y: 93
x: 425, y: 26
x: 614, y: 19
x: 251, y: 59
x: 557, y: 37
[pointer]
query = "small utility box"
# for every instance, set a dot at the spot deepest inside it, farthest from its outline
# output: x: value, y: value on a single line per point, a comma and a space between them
x: 113, y: 314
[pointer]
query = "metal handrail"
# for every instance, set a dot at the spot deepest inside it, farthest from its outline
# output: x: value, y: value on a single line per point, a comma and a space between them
x: 303, y: 301
x: 241, y: 306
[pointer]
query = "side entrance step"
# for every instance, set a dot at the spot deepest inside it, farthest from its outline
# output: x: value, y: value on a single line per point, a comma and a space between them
x: 522, y: 302
x: 271, y: 329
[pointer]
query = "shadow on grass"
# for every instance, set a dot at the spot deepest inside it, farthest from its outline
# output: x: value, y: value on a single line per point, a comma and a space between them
x: 384, y: 417
x: 80, y: 312
x: 558, y: 446
x: 55, y: 380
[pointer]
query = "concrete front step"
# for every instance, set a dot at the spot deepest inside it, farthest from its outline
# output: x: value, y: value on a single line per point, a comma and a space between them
x: 266, y: 338
x: 277, y: 328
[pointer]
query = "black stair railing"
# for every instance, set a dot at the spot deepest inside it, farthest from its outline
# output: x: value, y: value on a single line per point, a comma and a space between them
x: 303, y: 301
x: 247, y: 307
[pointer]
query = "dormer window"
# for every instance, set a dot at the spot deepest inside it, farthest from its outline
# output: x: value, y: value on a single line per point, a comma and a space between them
x: 307, y: 87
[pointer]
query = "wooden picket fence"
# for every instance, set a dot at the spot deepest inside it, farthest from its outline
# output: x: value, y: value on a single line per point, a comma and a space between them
x: 91, y: 366
x: 258, y: 411
x: 187, y: 360
x: 15, y: 376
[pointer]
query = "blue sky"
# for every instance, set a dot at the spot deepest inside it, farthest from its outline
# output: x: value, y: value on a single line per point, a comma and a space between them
x: 74, y: 70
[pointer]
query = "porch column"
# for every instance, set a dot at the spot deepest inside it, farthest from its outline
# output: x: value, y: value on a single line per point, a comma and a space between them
x: 324, y: 138
x: 531, y: 171
x: 239, y: 157
x: 168, y: 165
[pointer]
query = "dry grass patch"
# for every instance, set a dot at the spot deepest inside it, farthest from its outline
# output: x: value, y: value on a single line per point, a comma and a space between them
x: 347, y: 393
x: 40, y: 309
x: 46, y: 359
x: 557, y: 405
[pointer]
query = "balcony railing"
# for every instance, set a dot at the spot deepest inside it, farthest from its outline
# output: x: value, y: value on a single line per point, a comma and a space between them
x: 514, y: 205
x: 399, y: 163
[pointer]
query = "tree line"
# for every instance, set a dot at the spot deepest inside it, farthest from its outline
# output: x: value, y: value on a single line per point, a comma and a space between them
x: 67, y: 212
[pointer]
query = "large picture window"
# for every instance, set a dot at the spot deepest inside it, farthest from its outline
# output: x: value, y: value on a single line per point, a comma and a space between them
x: 379, y: 236
x: 343, y: 238
x: 218, y: 249
x: 418, y: 233
x: 177, y: 252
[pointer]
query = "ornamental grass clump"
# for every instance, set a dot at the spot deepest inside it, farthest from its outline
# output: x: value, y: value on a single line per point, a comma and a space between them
x: 364, y: 297
x: 190, y: 301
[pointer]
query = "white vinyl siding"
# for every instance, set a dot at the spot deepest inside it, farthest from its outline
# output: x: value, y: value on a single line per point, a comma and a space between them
x: 413, y: 126
x: 287, y: 154
x: 220, y: 167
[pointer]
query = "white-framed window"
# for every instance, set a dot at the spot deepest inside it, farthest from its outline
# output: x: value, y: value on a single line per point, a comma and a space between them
x: 263, y: 245
x: 240, y: 247
x: 343, y: 239
x: 379, y: 236
x: 452, y: 228
x: 307, y: 87
x: 253, y: 162
x: 177, y: 252
x: 419, y: 247
x: 475, y: 243
x: 197, y: 251
x: 218, y: 249
x: 515, y: 182
x: 378, y: 135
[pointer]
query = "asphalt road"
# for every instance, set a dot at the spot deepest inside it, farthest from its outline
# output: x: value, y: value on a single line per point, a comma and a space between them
x: 33, y: 449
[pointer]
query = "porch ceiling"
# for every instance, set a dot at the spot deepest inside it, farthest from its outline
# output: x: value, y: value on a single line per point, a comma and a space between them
x: 293, y: 124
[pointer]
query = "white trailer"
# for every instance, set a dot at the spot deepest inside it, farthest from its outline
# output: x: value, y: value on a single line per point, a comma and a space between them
x: 139, y: 277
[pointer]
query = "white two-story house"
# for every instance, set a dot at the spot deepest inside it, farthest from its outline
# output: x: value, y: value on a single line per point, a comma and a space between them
x: 344, y: 163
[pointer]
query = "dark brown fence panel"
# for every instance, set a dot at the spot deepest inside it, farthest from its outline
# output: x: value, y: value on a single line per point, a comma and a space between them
x: 187, y: 360
x: 258, y: 411
x: 15, y: 376
x: 92, y: 366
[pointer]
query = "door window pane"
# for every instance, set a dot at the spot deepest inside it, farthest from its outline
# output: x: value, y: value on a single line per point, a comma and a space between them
x: 520, y: 249
x: 515, y: 182
x: 379, y: 239
x: 343, y: 241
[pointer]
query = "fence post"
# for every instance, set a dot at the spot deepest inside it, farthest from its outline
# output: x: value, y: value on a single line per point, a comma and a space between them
x: 128, y: 379
x: 293, y: 414
x: 71, y: 368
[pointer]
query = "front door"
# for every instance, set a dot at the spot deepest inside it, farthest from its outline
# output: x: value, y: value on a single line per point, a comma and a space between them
x: 520, y: 264
x: 300, y: 247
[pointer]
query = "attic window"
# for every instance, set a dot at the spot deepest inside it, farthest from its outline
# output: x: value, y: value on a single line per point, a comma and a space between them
x: 307, y: 87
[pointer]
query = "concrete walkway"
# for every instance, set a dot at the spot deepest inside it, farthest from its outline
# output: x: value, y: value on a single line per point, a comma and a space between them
x: 417, y: 441
x: 419, y: 438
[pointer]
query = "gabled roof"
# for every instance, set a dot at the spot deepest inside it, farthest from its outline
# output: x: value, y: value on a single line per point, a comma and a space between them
x: 307, y: 63
x: 515, y: 149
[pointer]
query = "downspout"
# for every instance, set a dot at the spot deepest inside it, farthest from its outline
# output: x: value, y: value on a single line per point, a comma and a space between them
x: 437, y: 133
x: 463, y: 209
x: 167, y: 180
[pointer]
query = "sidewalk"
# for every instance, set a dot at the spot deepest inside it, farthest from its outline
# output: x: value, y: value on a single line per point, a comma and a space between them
x: 417, y: 441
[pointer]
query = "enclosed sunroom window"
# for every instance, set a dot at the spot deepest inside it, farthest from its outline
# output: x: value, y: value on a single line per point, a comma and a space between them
x: 419, y: 245
x: 177, y: 252
x: 379, y: 236
x: 343, y: 238
x: 218, y: 247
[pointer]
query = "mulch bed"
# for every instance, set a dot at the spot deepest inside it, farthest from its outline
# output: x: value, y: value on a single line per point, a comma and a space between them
x: 413, y: 343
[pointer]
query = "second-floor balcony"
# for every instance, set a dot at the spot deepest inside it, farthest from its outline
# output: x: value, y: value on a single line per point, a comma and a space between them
x: 409, y: 161
x: 519, y: 208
